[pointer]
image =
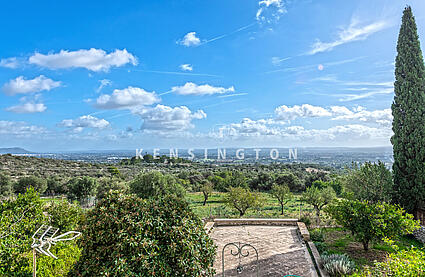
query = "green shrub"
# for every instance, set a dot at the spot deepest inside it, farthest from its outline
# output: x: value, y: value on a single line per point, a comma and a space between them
x: 155, y: 184
x: 108, y: 184
x: 368, y: 222
x: 406, y: 263
x: 19, y: 219
x: 128, y: 236
x: 81, y: 188
x: 68, y: 254
x: 317, y: 235
x: 338, y: 265
x: 39, y: 184
x: 64, y: 215
x: 5, y: 186
x: 322, y: 247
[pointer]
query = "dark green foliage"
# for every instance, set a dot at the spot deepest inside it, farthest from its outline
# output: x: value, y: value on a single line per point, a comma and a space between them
x: 19, y: 219
x: 128, y: 236
x: 56, y: 185
x: 81, y: 188
x: 5, y: 186
x: 370, y: 182
x: 408, y: 110
x: 39, y: 184
x: 262, y: 182
x: 107, y: 184
x: 114, y: 172
x: 155, y: 184
x: 292, y: 181
x: 369, y: 222
x: 64, y: 215
x: 317, y: 235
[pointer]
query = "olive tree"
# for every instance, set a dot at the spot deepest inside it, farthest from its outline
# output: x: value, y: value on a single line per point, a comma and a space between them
x: 318, y: 198
x: 154, y: 184
x: 282, y: 194
x: 242, y: 199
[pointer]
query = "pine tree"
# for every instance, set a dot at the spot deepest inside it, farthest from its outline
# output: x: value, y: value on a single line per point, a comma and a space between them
x: 408, y: 110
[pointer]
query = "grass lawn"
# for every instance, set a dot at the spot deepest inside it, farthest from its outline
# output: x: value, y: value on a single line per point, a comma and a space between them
x: 216, y: 207
x: 337, y: 240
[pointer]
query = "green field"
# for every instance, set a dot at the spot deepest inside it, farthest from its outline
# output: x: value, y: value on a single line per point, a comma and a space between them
x: 216, y: 207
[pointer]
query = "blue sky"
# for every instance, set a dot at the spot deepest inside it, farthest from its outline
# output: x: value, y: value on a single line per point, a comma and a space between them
x: 232, y: 73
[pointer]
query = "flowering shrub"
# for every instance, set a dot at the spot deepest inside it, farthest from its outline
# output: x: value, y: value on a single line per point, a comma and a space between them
x: 407, y: 263
x: 128, y: 236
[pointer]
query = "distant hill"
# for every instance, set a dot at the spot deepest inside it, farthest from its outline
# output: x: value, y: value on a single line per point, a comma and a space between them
x: 14, y: 150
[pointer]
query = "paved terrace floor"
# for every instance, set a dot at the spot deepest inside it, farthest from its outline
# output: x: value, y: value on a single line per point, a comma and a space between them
x: 280, y: 250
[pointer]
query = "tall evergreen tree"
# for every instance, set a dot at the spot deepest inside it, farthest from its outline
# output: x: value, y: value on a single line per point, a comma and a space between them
x: 408, y: 110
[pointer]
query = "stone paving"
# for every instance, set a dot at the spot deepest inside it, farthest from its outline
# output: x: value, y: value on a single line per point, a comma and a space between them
x: 281, y: 252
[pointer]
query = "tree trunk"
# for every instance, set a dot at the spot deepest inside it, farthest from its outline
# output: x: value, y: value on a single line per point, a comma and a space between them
x: 281, y: 206
x: 205, y: 199
x: 365, y: 245
x: 318, y: 216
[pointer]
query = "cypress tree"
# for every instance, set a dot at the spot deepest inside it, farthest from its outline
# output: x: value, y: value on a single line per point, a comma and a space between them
x: 408, y: 110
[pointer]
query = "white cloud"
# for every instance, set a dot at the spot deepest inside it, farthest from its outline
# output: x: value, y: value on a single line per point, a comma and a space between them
x: 353, y: 32
x: 193, y: 89
x: 103, y: 83
x: 12, y: 63
x: 269, y: 133
x: 270, y: 9
x: 27, y: 108
x: 190, y: 39
x: 126, y: 98
x: 276, y: 61
x: 85, y: 121
x: 305, y: 110
x: 21, y: 85
x: 382, y: 117
x: 372, y: 92
x: 92, y: 59
x: 164, y: 119
x: 19, y: 129
x: 186, y: 67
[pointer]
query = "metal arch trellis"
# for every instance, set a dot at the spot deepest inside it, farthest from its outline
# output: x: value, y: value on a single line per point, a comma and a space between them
x: 239, y: 247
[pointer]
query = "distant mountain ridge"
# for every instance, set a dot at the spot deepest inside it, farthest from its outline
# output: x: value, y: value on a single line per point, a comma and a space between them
x: 14, y: 150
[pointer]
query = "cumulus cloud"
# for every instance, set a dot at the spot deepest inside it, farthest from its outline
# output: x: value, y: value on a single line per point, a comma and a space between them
x: 19, y: 129
x: 92, y: 59
x: 268, y: 132
x: 126, y: 98
x: 85, y: 121
x: 186, y: 67
x: 190, y: 39
x: 163, y: 119
x: 193, y: 89
x: 305, y: 110
x: 382, y: 117
x: 12, y: 63
x: 270, y: 9
x: 20, y: 85
x: 27, y: 108
x: 353, y: 32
